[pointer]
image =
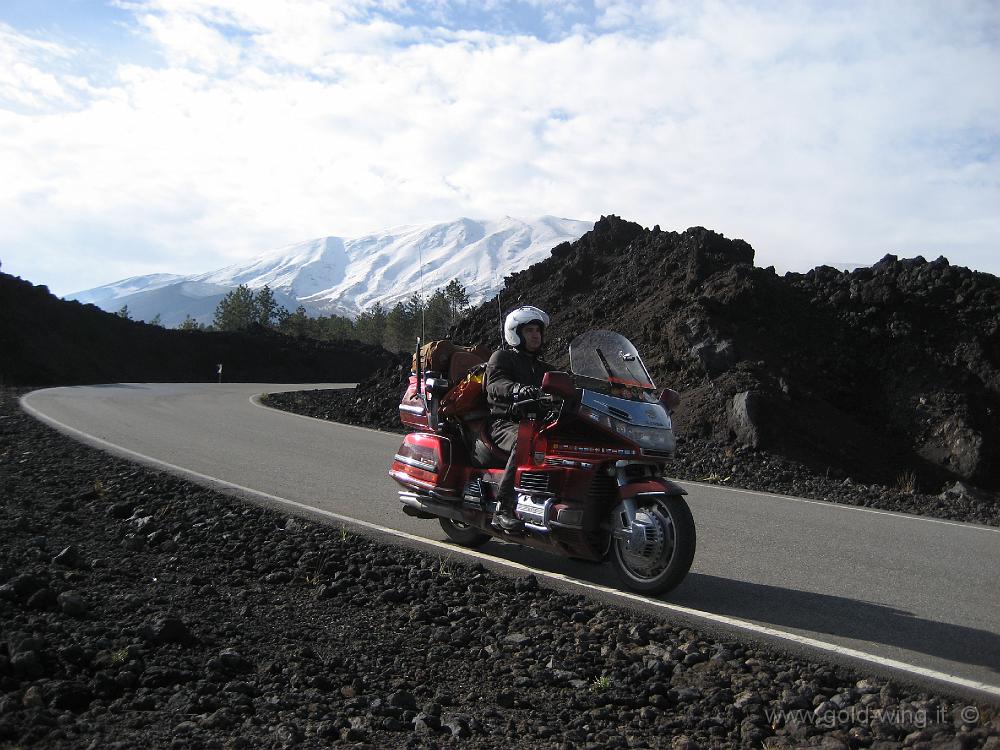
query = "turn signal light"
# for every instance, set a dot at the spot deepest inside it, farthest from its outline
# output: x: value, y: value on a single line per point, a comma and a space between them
x: 670, y: 399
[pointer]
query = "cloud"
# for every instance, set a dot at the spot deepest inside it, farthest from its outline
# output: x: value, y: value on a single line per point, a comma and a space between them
x: 818, y: 133
x: 187, y: 41
x: 26, y: 80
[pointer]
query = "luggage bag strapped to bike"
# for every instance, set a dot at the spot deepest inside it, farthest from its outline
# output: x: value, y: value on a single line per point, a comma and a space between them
x: 449, y: 363
x: 467, y: 398
x: 434, y: 356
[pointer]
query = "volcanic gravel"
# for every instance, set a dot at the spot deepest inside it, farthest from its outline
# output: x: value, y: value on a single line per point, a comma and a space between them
x: 140, y: 610
x: 375, y: 403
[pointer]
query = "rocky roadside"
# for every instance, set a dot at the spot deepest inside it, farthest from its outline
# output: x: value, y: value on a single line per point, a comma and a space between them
x: 374, y: 403
x: 140, y: 610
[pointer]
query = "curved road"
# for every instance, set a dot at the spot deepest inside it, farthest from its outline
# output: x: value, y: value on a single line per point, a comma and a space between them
x: 909, y: 596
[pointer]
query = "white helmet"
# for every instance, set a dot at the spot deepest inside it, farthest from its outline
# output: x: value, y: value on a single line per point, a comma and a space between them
x: 521, y: 317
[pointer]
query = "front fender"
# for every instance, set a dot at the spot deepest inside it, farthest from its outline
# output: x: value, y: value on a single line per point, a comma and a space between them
x: 650, y: 486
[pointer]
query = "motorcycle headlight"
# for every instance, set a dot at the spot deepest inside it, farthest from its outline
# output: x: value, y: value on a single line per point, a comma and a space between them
x: 651, y: 437
x: 602, y: 419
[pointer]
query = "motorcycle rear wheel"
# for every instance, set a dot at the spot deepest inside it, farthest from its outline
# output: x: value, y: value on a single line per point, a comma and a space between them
x: 463, y: 533
x: 672, y: 555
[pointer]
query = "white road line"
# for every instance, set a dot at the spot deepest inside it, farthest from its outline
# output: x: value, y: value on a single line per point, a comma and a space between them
x: 730, y: 622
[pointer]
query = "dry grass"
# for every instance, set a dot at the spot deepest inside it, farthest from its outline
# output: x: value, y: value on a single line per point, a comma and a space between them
x: 907, y: 481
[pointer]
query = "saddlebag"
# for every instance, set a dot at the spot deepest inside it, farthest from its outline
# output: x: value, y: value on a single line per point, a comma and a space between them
x: 422, y: 464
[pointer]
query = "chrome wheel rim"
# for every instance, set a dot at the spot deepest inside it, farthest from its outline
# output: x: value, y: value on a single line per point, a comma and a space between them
x: 660, y: 545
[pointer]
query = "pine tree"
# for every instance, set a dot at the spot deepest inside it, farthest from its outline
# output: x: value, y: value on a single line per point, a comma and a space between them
x: 190, y: 324
x: 414, y: 308
x: 123, y: 312
x: 297, y: 324
x: 458, y: 302
x: 438, y: 316
x: 458, y: 298
x: 265, y: 307
x: 370, y: 324
x: 398, y: 329
x: 236, y: 311
x: 336, y: 328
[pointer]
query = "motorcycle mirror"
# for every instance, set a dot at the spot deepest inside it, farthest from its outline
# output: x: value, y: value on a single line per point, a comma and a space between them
x: 558, y: 383
x: 670, y: 398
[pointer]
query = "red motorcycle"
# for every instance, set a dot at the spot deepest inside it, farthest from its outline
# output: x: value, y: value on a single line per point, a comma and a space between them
x: 591, y: 454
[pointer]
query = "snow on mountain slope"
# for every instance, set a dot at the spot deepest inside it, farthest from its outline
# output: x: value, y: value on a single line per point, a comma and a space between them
x: 298, y: 270
x: 332, y: 275
x: 125, y: 287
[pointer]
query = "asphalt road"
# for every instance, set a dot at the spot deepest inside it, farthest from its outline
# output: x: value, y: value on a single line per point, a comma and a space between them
x: 915, y: 597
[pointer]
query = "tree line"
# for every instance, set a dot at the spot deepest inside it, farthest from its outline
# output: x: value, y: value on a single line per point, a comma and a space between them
x: 395, y: 328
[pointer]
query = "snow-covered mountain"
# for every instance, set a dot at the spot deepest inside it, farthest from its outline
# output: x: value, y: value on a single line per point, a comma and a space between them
x: 333, y: 275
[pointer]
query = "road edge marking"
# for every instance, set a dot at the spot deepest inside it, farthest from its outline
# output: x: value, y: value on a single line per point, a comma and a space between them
x: 730, y: 622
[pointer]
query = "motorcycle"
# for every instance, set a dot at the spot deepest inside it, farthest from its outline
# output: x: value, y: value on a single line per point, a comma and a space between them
x: 591, y: 454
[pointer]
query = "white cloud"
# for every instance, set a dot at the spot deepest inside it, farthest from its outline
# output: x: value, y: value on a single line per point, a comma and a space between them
x: 25, y: 79
x: 188, y: 41
x: 818, y: 134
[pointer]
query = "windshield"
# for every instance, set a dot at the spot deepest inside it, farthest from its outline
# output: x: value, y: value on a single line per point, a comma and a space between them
x: 610, y: 357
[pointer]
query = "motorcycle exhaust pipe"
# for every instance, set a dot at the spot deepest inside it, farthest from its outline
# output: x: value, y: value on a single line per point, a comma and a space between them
x: 412, y: 506
x: 432, y: 508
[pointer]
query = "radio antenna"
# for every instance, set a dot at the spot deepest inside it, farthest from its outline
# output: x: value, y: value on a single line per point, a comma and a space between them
x: 423, y: 305
x: 500, y: 316
x: 499, y: 308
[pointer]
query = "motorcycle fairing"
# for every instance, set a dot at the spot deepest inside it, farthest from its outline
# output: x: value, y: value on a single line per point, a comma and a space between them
x: 639, y: 413
x: 644, y: 424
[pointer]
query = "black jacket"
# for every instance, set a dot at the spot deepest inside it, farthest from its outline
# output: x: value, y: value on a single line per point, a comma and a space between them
x: 507, y: 368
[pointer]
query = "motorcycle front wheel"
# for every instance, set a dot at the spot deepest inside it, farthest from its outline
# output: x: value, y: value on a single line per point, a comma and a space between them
x: 463, y: 533
x: 669, y: 550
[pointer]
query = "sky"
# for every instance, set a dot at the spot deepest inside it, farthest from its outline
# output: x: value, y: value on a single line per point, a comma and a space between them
x: 179, y: 136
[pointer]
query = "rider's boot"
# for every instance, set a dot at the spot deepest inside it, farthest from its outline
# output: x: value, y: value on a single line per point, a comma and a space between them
x: 504, y: 517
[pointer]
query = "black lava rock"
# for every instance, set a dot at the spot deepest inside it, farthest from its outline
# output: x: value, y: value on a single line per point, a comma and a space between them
x: 467, y: 659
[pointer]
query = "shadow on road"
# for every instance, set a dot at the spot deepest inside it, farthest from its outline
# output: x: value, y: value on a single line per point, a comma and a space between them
x: 814, y: 615
x: 840, y: 617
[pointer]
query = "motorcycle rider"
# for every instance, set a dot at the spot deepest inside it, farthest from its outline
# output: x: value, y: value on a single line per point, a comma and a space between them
x: 514, y: 375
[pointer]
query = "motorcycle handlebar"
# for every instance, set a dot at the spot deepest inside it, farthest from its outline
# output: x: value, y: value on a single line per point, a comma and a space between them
x: 544, y: 399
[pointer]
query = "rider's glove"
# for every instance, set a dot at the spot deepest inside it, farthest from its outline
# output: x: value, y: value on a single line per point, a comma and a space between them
x: 526, y: 393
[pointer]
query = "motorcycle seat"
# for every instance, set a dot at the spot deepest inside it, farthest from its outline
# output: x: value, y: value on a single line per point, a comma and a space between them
x: 484, y: 453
